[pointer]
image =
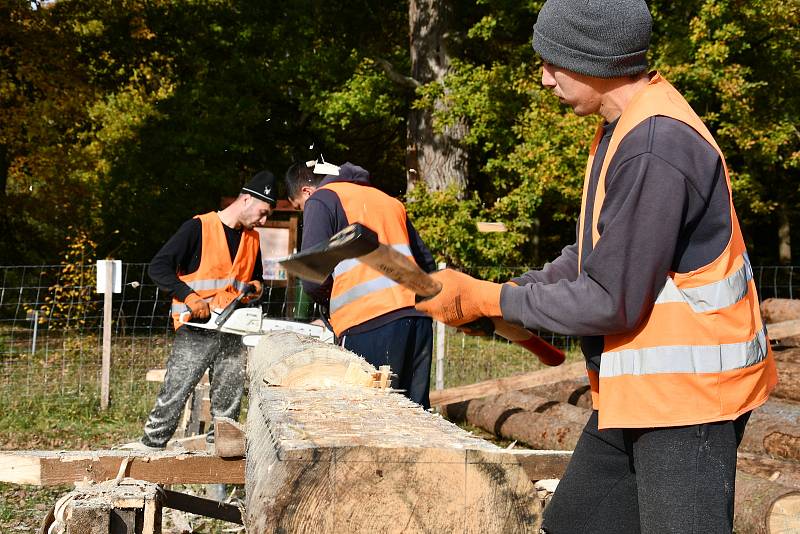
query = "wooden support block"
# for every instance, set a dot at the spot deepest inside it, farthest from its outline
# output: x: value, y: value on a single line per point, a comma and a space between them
x: 118, y: 506
x: 50, y: 468
x: 229, y: 438
x: 337, y: 457
x: 511, y: 383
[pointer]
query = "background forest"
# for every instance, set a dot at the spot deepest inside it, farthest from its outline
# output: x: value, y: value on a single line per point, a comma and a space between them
x: 120, y: 119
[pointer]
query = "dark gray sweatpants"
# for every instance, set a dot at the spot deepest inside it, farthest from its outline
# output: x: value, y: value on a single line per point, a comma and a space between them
x: 194, y: 351
x: 654, y: 481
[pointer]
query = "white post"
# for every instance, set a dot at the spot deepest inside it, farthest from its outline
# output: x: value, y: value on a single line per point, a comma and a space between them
x: 105, y: 376
x: 35, y: 331
x: 440, y: 347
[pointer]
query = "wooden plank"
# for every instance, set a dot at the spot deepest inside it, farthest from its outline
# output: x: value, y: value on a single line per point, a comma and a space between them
x: 488, y: 227
x: 50, y: 468
x: 511, y: 383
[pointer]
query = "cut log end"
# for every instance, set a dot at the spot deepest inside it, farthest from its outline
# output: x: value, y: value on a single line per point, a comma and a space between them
x: 784, y: 516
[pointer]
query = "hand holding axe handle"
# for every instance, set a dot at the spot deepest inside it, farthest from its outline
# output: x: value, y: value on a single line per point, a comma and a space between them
x: 358, y: 241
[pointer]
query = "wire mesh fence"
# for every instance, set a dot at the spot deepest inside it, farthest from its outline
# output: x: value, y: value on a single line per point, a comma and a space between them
x: 51, y: 331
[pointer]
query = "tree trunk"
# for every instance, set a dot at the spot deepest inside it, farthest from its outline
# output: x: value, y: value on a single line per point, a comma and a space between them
x: 779, y: 310
x: 538, y: 422
x: 774, y: 429
x: 325, y: 454
x: 575, y: 392
x: 788, y: 381
x: 784, y: 237
x: 764, y: 507
x: 437, y: 159
x: 786, y: 472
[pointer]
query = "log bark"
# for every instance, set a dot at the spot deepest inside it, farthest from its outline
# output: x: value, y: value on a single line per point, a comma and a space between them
x: 788, y: 381
x: 341, y: 457
x: 509, y: 383
x: 786, y: 472
x: 774, y: 429
x: 779, y: 310
x: 435, y: 156
x: 764, y: 507
x: 575, y: 392
x: 790, y: 355
x: 536, y: 421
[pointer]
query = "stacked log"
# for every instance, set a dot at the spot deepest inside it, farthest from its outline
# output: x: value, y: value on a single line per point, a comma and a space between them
x: 782, y: 317
x: 328, y: 453
x: 552, y: 416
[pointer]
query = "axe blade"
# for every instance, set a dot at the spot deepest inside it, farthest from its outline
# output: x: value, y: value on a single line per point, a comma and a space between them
x: 318, y: 262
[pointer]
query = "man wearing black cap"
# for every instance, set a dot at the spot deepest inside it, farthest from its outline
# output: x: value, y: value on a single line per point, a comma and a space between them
x: 205, y: 265
x: 658, y: 285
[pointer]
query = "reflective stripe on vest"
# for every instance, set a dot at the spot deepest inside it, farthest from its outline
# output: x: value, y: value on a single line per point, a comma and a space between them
x: 713, y: 296
x: 359, y: 292
x: 702, y: 353
x: 217, y: 279
x: 685, y: 359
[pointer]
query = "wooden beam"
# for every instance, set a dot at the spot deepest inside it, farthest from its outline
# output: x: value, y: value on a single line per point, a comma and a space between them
x: 51, y: 468
x: 511, y: 383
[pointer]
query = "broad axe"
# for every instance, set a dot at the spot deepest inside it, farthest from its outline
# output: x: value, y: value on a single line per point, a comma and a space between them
x: 358, y: 241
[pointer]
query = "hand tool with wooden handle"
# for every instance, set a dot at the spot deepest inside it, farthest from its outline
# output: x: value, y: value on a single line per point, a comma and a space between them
x: 358, y: 241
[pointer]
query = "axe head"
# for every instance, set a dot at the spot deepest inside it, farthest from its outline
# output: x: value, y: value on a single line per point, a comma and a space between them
x: 318, y: 262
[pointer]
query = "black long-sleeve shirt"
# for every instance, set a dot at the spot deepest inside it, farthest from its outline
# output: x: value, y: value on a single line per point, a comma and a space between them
x: 666, y: 209
x: 324, y: 215
x: 181, y: 255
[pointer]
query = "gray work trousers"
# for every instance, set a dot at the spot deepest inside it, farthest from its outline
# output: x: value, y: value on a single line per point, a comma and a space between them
x: 194, y: 351
x: 649, y: 481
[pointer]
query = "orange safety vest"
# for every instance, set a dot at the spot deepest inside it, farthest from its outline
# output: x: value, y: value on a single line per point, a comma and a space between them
x: 359, y: 292
x: 702, y: 353
x: 218, y: 280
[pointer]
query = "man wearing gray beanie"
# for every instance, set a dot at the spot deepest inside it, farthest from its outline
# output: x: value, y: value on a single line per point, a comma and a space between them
x: 658, y: 285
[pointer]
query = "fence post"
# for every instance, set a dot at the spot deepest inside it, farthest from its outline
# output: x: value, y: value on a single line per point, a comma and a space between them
x: 109, y: 281
x: 440, y: 347
x: 105, y: 377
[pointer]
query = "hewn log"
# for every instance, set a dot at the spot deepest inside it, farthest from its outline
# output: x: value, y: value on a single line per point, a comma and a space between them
x: 779, y: 310
x: 788, y: 381
x: 509, y: 383
x: 765, y: 507
x: 538, y: 422
x: 774, y: 429
x: 348, y: 458
x: 575, y: 392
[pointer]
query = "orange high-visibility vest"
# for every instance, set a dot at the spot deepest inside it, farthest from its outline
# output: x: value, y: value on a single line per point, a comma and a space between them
x: 218, y: 280
x: 702, y: 353
x: 359, y: 292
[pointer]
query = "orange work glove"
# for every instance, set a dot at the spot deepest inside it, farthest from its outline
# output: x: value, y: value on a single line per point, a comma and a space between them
x: 476, y: 331
x: 463, y: 299
x: 198, y: 306
x: 257, y: 292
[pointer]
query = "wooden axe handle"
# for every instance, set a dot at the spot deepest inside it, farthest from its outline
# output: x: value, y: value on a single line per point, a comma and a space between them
x: 405, y: 272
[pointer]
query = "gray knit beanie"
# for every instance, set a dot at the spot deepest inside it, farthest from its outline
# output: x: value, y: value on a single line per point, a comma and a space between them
x: 601, y: 38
